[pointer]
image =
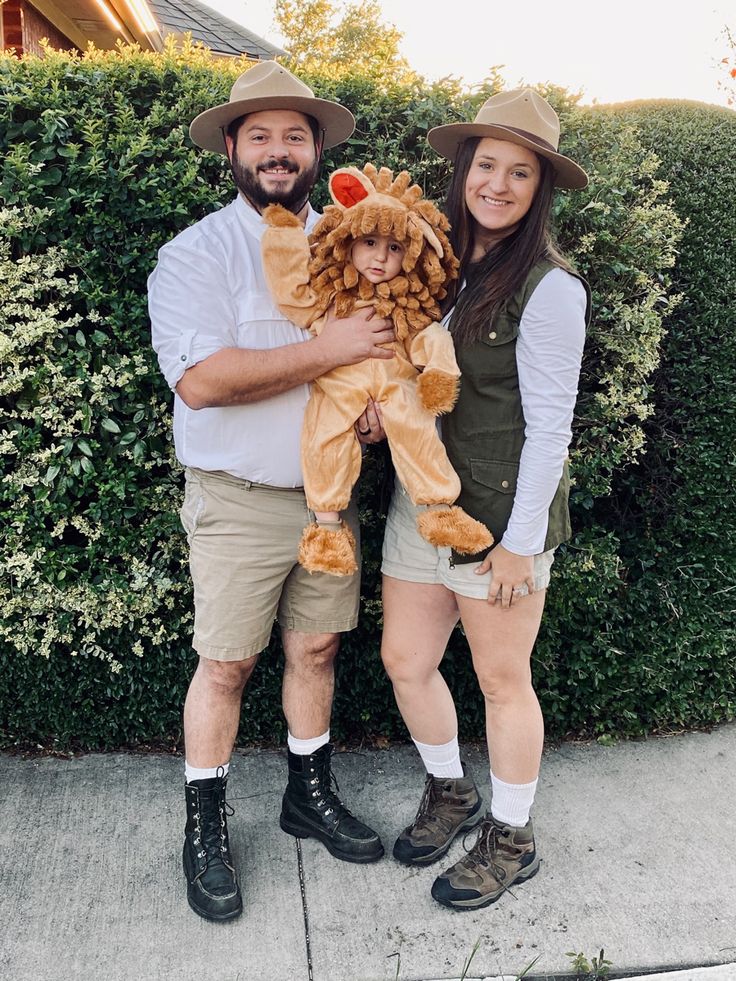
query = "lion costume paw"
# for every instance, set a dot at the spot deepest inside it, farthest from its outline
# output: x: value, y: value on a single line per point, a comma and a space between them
x: 279, y: 217
x: 327, y: 550
x: 454, y: 528
x: 438, y: 390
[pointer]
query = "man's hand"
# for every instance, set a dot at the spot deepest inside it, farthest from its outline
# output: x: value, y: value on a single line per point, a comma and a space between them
x: 369, y: 427
x: 509, y: 572
x: 355, y: 338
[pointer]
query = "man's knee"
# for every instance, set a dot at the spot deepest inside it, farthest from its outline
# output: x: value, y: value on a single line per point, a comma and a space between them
x: 226, y: 677
x: 311, y: 650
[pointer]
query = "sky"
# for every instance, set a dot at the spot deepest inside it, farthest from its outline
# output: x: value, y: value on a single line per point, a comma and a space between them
x: 613, y: 52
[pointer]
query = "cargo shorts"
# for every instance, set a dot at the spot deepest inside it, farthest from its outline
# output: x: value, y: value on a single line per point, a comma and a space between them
x: 407, y: 556
x: 243, y: 540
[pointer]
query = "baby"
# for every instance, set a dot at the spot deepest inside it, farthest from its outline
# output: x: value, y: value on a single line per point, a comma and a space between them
x: 379, y: 245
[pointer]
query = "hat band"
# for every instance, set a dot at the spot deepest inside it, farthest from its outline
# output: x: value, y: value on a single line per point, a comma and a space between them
x: 532, y: 137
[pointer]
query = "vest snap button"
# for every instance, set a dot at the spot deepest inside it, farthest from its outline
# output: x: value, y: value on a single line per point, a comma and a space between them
x: 492, y: 335
x: 504, y: 483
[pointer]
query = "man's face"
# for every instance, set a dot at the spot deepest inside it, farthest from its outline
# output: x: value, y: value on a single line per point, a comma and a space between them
x: 274, y: 159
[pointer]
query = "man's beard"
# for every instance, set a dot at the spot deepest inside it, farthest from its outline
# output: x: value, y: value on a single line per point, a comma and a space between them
x: 248, y: 183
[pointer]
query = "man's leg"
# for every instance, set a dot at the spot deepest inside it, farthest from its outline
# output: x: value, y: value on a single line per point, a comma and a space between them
x: 309, y: 681
x: 212, y: 710
x: 228, y: 521
x: 310, y: 808
x: 211, y: 716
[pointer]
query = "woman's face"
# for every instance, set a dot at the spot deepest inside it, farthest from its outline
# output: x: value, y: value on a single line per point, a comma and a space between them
x: 499, y: 189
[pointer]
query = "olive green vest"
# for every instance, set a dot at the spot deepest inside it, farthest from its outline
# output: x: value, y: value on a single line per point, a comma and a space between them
x: 484, y: 433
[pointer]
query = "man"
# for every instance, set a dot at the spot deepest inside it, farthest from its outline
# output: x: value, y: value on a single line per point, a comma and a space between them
x: 241, y: 372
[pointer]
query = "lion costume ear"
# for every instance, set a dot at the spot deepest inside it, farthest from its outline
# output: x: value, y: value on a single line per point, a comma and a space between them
x: 348, y: 187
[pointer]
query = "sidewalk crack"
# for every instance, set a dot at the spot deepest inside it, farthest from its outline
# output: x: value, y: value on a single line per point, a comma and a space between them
x: 305, y: 912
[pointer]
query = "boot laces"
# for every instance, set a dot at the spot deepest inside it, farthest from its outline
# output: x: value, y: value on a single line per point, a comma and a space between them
x: 326, y: 790
x: 211, y: 833
x: 427, y: 815
x: 481, y: 853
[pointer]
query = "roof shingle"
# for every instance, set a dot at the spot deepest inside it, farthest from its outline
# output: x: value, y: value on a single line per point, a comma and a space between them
x: 222, y: 35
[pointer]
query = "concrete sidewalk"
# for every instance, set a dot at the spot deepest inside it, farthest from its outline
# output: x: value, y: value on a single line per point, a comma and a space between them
x: 637, y: 846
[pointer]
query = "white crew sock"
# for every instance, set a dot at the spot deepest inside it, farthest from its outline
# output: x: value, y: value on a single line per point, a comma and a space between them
x: 305, y: 747
x: 204, y: 772
x: 511, y: 802
x: 442, y: 760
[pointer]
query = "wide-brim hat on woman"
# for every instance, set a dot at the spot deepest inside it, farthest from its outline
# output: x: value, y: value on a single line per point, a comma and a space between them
x: 270, y: 86
x: 522, y: 117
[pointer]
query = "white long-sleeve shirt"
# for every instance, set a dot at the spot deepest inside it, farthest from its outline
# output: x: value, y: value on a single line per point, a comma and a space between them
x: 549, y: 350
x: 207, y: 293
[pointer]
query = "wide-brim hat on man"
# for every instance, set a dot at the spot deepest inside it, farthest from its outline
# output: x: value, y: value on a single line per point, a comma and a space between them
x: 270, y: 86
x: 522, y: 117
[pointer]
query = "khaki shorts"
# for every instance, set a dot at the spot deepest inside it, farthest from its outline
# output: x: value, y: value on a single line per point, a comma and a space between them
x: 407, y: 556
x: 243, y: 540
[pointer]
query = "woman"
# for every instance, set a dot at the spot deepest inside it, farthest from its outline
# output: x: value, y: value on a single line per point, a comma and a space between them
x: 518, y: 322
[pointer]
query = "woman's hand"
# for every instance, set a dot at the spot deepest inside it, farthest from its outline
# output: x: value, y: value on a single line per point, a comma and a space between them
x: 509, y: 572
x: 369, y: 427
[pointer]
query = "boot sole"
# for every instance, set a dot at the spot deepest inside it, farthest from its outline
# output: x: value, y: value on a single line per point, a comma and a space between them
x: 436, y: 855
x: 206, y: 915
x: 298, y: 831
x: 215, y: 917
x: 482, y: 901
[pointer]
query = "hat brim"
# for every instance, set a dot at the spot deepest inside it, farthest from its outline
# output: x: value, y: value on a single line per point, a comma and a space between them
x: 446, y: 140
x: 206, y: 130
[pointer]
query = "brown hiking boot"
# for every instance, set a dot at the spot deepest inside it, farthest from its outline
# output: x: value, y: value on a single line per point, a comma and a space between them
x: 501, y: 856
x: 448, y: 806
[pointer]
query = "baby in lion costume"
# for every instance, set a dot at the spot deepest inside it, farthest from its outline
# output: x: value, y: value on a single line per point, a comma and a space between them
x: 379, y: 245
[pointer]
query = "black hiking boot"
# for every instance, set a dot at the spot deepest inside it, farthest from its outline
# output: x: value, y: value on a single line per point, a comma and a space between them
x: 312, y: 809
x: 212, y: 886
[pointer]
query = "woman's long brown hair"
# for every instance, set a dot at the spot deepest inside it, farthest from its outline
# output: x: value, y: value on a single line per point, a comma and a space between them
x: 493, y: 280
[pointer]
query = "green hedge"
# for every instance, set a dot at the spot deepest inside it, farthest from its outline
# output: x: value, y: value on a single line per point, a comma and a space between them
x: 97, y: 173
x: 676, y: 508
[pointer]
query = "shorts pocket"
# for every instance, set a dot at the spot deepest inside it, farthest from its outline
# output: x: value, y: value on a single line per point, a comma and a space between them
x: 193, y: 508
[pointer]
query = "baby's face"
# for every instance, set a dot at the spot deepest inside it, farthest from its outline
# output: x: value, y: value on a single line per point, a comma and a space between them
x: 377, y: 257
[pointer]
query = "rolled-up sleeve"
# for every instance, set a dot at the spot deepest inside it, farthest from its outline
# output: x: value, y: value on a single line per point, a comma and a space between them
x: 190, y: 307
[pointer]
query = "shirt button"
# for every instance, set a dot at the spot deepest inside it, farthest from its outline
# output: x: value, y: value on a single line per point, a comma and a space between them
x: 183, y: 357
x: 504, y: 483
x: 492, y: 335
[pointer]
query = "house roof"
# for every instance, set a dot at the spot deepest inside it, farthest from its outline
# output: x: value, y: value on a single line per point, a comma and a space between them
x: 222, y: 35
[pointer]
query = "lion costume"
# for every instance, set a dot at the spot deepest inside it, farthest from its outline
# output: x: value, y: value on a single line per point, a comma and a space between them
x: 414, y: 386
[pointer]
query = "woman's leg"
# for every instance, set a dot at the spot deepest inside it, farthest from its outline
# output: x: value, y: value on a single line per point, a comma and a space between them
x: 418, y: 619
x: 504, y: 853
x: 501, y: 643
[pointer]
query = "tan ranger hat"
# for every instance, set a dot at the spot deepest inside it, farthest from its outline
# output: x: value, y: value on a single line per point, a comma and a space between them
x: 521, y: 116
x: 269, y: 86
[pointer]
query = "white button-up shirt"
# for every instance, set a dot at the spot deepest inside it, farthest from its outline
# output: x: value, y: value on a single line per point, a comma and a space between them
x: 207, y: 293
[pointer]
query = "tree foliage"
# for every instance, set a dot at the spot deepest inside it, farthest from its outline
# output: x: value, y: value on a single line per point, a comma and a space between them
x: 727, y: 82
x: 341, y: 39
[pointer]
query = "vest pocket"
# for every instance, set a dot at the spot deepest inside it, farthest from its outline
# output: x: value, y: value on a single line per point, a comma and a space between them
x: 488, y: 488
x: 499, y: 475
x: 497, y: 354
